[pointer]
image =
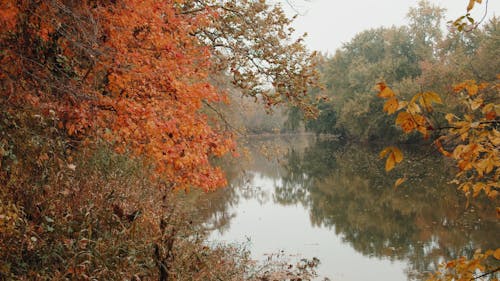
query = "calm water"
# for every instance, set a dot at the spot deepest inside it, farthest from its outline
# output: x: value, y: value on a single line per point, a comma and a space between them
x: 335, y: 202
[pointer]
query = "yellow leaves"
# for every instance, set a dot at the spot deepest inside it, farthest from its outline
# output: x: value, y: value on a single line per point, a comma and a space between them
x: 496, y: 254
x: 405, y: 121
x: 470, y: 6
x: 409, y: 122
x: 391, y: 105
x: 402, y: 104
x: 449, y: 117
x: 472, y: 89
x: 384, y: 91
x: 463, y: 269
x: 472, y: 137
x: 485, y: 166
x: 394, y: 155
x: 494, y: 137
x: 426, y: 99
x: 399, y: 182
x: 470, y: 86
x: 410, y: 119
x: 476, y: 188
x: 413, y: 108
x: 476, y: 103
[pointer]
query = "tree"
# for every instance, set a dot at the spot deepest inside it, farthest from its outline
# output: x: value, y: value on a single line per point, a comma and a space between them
x: 471, y: 138
x: 251, y: 40
x: 348, y: 77
x: 425, y: 24
x: 77, y: 77
x: 141, y: 83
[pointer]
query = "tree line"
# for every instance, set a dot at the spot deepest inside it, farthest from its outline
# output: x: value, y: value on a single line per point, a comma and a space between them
x: 411, y: 58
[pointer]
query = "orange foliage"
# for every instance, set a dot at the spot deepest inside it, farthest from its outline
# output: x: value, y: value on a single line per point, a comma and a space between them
x: 129, y: 72
x: 8, y: 14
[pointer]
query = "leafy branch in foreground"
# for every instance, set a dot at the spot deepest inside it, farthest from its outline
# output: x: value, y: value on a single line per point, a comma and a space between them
x: 463, y: 269
x: 471, y: 138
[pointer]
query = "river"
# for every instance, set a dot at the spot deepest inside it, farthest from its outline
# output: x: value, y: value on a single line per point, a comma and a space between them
x: 334, y: 201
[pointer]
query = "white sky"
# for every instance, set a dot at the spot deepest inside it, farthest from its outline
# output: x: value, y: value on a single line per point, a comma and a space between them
x: 329, y: 23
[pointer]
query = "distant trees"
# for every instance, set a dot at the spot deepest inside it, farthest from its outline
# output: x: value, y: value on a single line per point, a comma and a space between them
x: 382, y: 52
x: 409, y: 58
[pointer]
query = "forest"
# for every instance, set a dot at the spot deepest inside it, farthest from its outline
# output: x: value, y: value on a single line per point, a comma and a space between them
x: 410, y: 58
x: 112, y: 110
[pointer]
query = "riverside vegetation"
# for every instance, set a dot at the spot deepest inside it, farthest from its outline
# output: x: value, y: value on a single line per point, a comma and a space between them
x: 109, y: 107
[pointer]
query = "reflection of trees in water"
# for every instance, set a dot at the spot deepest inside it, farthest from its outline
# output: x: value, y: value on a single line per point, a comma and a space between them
x: 345, y: 187
x: 262, y: 160
x: 301, y: 169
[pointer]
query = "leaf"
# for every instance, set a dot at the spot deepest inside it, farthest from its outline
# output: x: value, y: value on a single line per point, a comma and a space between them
x: 389, y: 163
x: 426, y: 99
x: 489, y: 111
x: 399, y: 182
x: 472, y: 89
x: 471, y: 5
x: 449, y: 117
x: 381, y: 86
x: 476, y: 103
x: 391, y: 105
x: 491, y: 115
x: 384, y: 91
x: 384, y: 152
x: 405, y: 121
x: 394, y: 156
x: 496, y: 254
x: 413, y: 108
x: 402, y: 104
x: 476, y: 188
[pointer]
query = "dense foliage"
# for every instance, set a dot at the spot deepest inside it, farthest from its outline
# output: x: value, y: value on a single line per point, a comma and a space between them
x: 470, y: 137
x: 108, y: 106
x: 410, y: 58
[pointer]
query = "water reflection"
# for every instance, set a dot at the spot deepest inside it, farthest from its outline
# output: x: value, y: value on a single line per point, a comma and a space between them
x: 344, y: 189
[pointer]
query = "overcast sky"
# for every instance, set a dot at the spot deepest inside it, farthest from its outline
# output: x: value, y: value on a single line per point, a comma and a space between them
x: 329, y: 23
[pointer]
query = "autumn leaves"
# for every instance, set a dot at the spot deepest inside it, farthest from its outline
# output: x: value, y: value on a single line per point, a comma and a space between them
x: 410, y: 117
x: 471, y: 139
